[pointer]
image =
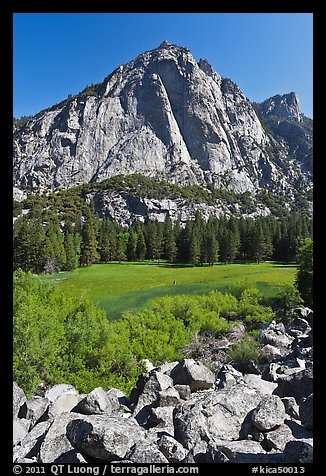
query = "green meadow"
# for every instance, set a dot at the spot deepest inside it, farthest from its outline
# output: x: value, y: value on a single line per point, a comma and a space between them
x: 129, y: 286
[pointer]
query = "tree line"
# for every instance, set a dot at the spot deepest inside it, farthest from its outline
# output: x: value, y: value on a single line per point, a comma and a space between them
x: 44, y: 244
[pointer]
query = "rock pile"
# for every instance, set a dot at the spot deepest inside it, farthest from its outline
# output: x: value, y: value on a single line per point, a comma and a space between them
x: 183, y: 412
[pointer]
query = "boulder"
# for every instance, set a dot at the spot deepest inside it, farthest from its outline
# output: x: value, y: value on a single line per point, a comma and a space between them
x: 229, y: 376
x: 146, y: 452
x: 275, y: 336
x: 214, y: 415
x: 64, y: 403
x: 291, y: 407
x: 257, y: 383
x: 297, y: 385
x: 150, y: 383
x: 298, y: 327
x: 98, y: 401
x: 146, y: 394
x: 169, y: 397
x: 55, y: 444
x: 104, y: 438
x: 269, y: 413
x: 233, y: 449
x: 34, y: 408
x: 296, y: 452
x: 306, y: 412
x: 192, y: 373
x: 271, y: 353
x: 248, y: 367
x: 278, y: 438
x: 54, y: 392
x: 30, y: 445
x: 161, y: 417
x: 171, y: 449
x: 18, y: 399
x: 183, y: 390
x: 20, y: 430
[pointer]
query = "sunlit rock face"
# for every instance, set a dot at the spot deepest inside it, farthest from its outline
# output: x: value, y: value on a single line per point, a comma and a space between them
x: 164, y: 115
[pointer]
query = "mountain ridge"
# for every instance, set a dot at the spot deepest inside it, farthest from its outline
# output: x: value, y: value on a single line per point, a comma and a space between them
x: 163, y: 115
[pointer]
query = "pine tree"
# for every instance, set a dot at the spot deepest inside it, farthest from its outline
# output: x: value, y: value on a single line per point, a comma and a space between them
x: 141, y: 244
x: 261, y: 246
x: 107, y: 240
x: 212, y: 248
x: 194, y: 248
x: 71, y: 254
x: 229, y: 246
x: 53, y: 233
x: 120, y: 247
x: 304, y: 279
x: 30, y: 246
x: 89, y: 254
x: 132, y: 246
x: 170, y: 247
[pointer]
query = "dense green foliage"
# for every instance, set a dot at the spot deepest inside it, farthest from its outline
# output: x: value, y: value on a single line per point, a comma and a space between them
x: 48, y: 239
x: 304, y: 279
x: 69, y: 203
x: 130, y: 286
x: 243, y: 350
x: 60, y: 338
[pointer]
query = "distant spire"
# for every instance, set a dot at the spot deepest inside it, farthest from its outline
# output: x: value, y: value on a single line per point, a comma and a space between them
x: 165, y: 43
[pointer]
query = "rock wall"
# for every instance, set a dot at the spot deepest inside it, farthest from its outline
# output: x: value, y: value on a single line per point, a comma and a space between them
x: 183, y: 412
x: 164, y: 115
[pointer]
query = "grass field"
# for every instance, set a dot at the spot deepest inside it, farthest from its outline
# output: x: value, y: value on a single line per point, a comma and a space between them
x: 129, y: 286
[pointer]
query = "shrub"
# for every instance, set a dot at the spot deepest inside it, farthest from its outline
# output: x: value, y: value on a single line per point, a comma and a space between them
x: 244, y: 350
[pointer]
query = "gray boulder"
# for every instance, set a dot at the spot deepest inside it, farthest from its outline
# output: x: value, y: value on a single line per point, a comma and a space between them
x: 291, y: 407
x: 146, y: 394
x: 146, y: 452
x: 297, y: 385
x: 238, y: 449
x: 278, y: 438
x: 19, y: 398
x: 214, y: 415
x: 306, y: 412
x: 276, y: 336
x: 64, y: 403
x: 30, y: 445
x: 192, y: 373
x: 54, y: 392
x: 55, y: 444
x: 103, y: 437
x: 20, y: 430
x: 257, y: 383
x: 169, y: 397
x: 272, y: 353
x: 183, y: 390
x: 229, y: 376
x: 296, y: 452
x: 171, y: 449
x: 269, y: 413
x: 98, y: 401
x: 161, y: 417
x: 298, y: 327
x: 34, y: 408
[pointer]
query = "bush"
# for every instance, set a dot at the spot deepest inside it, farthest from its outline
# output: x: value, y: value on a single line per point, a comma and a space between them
x: 244, y: 350
x: 62, y: 339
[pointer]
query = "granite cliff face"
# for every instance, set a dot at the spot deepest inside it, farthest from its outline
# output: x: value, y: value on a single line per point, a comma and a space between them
x: 163, y: 115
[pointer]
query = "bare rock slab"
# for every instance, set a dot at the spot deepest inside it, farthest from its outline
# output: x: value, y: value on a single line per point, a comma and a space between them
x: 192, y: 373
x: 104, y: 438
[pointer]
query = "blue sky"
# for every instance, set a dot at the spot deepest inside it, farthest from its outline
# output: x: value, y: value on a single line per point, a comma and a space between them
x: 59, y: 54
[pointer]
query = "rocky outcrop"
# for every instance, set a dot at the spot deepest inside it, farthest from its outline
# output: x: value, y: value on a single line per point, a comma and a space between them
x: 181, y: 412
x: 125, y: 208
x: 286, y: 106
x: 163, y: 115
